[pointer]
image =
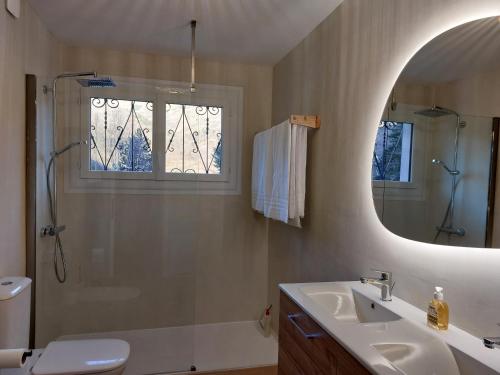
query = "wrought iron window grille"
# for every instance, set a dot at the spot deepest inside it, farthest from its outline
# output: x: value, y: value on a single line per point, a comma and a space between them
x: 208, y: 156
x: 126, y: 154
x: 387, y: 155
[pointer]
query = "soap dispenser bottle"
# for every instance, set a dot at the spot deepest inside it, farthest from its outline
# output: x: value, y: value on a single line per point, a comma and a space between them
x: 438, y: 313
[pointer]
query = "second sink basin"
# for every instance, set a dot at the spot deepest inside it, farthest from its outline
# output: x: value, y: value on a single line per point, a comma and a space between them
x: 348, y: 305
x: 412, y: 350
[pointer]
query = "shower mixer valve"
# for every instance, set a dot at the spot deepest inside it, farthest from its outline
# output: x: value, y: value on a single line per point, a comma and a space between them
x: 51, y: 230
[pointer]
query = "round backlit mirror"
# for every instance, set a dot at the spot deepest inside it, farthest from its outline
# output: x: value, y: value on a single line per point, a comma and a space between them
x: 434, y: 166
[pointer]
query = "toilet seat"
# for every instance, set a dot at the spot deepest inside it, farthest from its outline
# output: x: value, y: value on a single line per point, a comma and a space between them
x: 82, y: 357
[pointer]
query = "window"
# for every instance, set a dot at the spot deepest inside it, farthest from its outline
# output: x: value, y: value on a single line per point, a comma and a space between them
x: 120, y: 135
x: 193, y: 138
x: 144, y: 137
x: 393, y: 152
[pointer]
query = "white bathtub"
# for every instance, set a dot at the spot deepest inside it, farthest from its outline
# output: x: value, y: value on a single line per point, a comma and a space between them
x: 208, y: 347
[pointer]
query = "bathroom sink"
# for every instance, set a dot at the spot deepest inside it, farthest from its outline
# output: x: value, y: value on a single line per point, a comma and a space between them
x: 411, y: 350
x: 390, y: 338
x: 396, y: 353
x: 348, y: 305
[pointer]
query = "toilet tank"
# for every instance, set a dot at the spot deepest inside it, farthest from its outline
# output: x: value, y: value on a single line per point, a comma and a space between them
x: 15, y: 300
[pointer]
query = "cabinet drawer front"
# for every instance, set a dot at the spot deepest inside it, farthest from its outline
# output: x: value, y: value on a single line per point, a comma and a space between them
x: 298, y: 332
x: 305, y: 348
x: 294, y: 360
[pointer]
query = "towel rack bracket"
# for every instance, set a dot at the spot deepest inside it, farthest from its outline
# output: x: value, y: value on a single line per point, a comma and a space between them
x: 313, y: 122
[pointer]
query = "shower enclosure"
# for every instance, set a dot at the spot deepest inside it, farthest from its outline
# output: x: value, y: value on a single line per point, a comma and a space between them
x: 126, y: 262
x: 171, y: 273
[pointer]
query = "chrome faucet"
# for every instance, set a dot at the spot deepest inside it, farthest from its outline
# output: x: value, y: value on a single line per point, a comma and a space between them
x: 491, y: 342
x: 385, y: 282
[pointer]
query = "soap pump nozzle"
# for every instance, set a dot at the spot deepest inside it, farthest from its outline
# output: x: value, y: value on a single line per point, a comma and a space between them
x: 438, y: 293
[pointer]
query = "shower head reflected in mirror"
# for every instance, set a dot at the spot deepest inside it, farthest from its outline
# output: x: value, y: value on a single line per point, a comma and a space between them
x: 436, y: 111
x: 443, y: 164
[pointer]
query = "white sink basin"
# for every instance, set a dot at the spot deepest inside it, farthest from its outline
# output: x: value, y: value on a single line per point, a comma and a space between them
x: 411, y: 350
x: 348, y: 305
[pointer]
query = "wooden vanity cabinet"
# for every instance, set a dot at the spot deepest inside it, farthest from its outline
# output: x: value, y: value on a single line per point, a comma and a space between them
x: 306, y: 349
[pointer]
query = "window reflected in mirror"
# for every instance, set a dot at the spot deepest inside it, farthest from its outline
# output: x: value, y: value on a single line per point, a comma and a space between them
x: 392, y: 153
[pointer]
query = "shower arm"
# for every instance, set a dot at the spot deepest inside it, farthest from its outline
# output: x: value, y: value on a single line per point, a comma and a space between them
x: 46, y: 89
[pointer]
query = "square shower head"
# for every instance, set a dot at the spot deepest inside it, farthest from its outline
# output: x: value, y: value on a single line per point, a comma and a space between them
x: 97, y: 82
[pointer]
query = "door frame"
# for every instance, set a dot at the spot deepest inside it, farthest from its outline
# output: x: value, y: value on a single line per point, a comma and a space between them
x: 490, y: 211
x: 30, y: 191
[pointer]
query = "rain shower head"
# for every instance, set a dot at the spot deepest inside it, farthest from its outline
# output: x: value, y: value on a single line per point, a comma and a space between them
x: 435, y: 112
x: 97, y: 82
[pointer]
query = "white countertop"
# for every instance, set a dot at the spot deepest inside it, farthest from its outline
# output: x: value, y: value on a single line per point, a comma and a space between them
x: 355, y: 337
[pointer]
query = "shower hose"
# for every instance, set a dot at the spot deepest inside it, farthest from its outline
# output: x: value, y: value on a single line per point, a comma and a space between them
x: 58, y: 247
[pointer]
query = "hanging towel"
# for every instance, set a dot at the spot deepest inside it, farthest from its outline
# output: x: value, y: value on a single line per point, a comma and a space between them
x: 270, y: 172
x: 278, y: 173
x: 261, y: 165
x: 298, y: 162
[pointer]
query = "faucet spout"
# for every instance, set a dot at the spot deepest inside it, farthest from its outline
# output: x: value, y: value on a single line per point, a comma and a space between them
x: 491, y: 342
x: 385, y: 282
x: 369, y: 280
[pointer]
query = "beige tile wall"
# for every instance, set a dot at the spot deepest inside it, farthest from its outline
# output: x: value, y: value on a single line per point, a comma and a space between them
x: 26, y: 47
x: 344, y: 72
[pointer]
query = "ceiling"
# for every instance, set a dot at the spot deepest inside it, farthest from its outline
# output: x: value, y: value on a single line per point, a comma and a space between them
x: 463, y: 51
x: 248, y: 31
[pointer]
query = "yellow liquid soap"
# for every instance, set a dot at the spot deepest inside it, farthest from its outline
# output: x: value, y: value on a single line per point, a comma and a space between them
x: 438, y: 312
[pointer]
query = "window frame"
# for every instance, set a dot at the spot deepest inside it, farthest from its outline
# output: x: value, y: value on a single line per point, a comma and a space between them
x: 85, y: 171
x: 160, y: 93
x: 401, y: 184
x: 416, y: 189
x: 215, y: 101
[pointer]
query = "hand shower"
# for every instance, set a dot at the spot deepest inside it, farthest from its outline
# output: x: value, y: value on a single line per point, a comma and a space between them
x: 67, y: 148
x: 53, y: 230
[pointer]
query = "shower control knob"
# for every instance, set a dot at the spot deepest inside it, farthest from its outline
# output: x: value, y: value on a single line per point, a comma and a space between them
x: 51, y: 230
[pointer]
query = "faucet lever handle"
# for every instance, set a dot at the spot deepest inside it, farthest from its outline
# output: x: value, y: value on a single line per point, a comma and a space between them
x: 386, y: 275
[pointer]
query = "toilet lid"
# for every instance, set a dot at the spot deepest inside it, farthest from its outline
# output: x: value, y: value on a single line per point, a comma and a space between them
x: 82, y: 357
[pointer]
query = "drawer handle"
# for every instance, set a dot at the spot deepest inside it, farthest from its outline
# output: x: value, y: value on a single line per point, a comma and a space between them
x: 292, y: 318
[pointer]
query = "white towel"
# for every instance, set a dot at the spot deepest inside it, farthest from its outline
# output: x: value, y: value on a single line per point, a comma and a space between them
x: 270, y: 172
x: 278, y: 173
x: 260, y: 167
x: 298, y: 162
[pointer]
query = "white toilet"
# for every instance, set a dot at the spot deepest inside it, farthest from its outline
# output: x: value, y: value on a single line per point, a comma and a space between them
x: 104, y: 356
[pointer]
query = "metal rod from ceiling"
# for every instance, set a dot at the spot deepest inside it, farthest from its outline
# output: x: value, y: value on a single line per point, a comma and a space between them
x: 193, y: 56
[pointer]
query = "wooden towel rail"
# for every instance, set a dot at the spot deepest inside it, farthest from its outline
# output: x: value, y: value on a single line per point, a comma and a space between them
x: 304, y: 120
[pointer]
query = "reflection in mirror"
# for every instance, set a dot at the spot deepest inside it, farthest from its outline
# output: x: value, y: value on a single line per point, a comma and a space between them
x: 434, y: 160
